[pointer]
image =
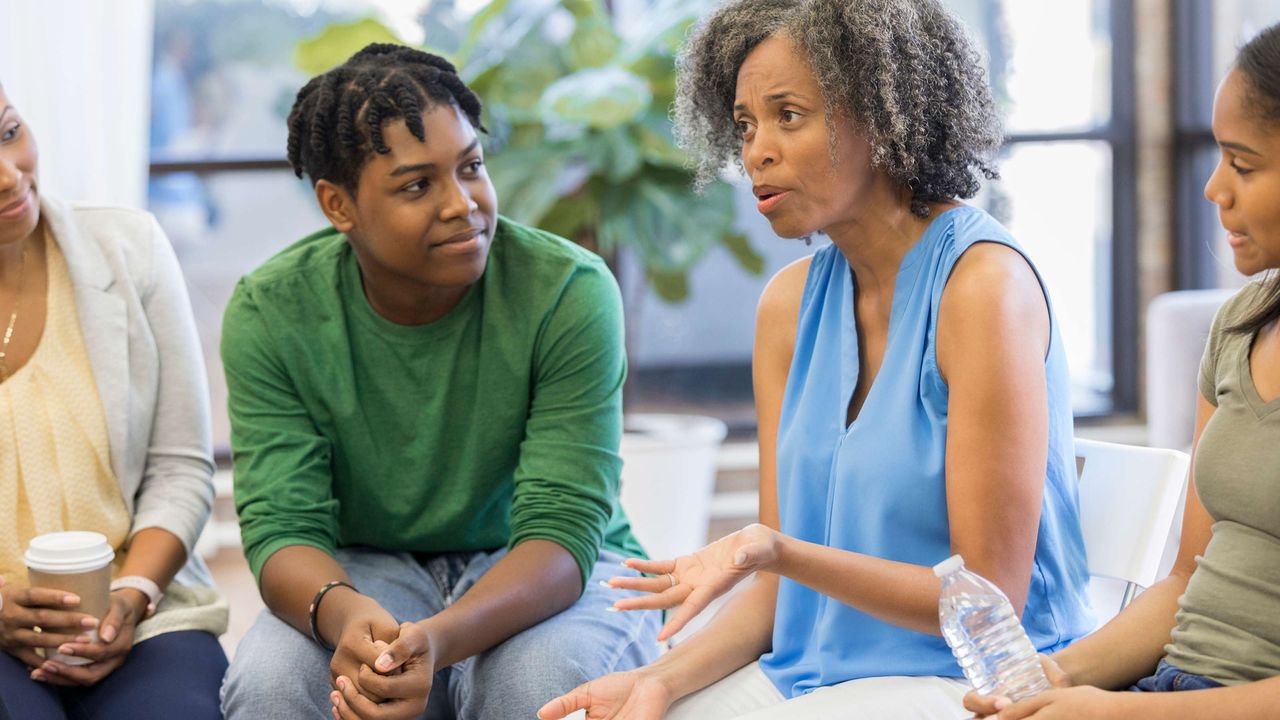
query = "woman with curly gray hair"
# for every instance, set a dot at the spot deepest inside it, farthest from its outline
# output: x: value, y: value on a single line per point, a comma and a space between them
x: 911, y: 385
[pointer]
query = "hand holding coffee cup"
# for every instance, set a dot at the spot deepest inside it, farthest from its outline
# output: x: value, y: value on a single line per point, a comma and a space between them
x: 103, y: 656
x: 81, y: 561
x: 78, y: 564
x: 36, y: 618
x: 53, y: 611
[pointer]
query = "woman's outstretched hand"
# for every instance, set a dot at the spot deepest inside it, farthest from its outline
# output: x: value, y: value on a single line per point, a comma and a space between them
x: 690, y: 582
x: 632, y: 695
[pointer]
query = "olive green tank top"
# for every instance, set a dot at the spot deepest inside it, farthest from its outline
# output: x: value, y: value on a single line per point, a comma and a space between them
x: 1228, y: 625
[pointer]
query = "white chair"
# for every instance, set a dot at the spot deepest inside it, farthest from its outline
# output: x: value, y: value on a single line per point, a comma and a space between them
x: 1177, y: 327
x: 1128, y: 498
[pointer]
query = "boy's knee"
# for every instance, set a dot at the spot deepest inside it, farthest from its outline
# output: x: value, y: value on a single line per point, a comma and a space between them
x: 503, y: 685
x: 276, y: 672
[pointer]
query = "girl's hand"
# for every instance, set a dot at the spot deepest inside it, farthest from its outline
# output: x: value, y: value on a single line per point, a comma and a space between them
x: 987, y: 706
x: 1065, y: 704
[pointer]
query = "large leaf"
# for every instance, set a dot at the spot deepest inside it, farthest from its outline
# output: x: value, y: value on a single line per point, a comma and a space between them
x: 479, y: 24
x: 583, y: 9
x: 668, y: 226
x: 527, y: 180
x: 593, y: 44
x: 572, y: 214
x: 600, y: 98
x: 518, y: 85
x: 501, y: 31
x: 660, y: 71
x: 670, y: 285
x: 338, y: 42
x: 613, y: 154
x: 739, y: 246
x: 665, y: 30
x: 654, y: 136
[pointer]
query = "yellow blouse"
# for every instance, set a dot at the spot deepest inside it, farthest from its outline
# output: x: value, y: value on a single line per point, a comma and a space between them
x: 55, y: 460
x: 55, y: 457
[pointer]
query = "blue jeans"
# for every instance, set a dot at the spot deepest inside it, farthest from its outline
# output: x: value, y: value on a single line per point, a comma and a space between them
x: 174, y: 675
x: 1170, y: 679
x: 280, y: 673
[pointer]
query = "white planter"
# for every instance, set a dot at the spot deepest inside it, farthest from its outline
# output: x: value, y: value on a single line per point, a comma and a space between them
x: 668, y: 476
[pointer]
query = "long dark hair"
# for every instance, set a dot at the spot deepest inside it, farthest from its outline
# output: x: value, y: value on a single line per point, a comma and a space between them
x: 1259, y: 62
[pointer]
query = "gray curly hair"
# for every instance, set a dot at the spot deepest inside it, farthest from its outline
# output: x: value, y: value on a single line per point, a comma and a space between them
x: 903, y: 70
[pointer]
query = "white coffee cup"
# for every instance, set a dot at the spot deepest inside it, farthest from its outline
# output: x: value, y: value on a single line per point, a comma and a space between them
x: 76, y: 562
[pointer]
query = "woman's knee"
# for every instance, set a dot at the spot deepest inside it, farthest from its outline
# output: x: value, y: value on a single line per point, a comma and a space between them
x: 25, y: 698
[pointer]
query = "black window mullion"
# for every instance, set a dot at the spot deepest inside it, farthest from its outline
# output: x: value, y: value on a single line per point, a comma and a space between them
x: 1193, y: 88
x: 209, y: 167
x: 1124, y: 211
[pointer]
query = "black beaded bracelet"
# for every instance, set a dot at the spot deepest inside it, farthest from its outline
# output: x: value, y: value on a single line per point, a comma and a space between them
x: 313, y: 612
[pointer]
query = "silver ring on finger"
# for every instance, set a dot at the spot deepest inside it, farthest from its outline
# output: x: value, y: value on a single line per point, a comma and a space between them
x: 672, y: 578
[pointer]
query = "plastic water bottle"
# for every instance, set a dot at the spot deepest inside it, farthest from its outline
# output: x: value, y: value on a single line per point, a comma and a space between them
x: 979, y: 624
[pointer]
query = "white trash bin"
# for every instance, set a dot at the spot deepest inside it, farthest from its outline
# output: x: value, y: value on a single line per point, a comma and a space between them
x: 668, y: 477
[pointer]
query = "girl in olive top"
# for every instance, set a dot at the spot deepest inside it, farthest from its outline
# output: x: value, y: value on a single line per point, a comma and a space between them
x: 1214, y: 623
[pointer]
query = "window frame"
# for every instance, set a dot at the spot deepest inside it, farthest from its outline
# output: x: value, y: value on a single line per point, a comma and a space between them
x: 1194, y: 85
x: 1119, y: 134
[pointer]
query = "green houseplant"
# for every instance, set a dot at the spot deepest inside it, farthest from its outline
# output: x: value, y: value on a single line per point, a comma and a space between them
x: 580, y: 137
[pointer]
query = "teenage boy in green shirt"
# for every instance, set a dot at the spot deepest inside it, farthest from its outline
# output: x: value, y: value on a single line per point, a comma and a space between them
x: 425, y: 402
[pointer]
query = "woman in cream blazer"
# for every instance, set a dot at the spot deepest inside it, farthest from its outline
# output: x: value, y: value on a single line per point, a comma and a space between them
x: 104, y: 426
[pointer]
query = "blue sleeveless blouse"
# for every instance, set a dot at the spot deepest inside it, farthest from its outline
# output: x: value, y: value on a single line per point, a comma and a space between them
x: 878, y: 486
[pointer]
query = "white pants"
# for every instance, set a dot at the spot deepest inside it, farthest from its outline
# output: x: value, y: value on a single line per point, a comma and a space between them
x: 748, y: 694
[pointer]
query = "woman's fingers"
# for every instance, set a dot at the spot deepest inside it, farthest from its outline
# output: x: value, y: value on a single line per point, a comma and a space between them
x: 33, y: 639
x: 686, y: 611
x: 651, y: 567
x: 82, y: 675
x: 94, y: 651
x: 669, y: 598
x: 34, y: 597
x: 46, y: 619
x: 657, y: 584
x: 577, y: 699
x: 119, y: 614
x: 50, y: 676
x: 27, y: 657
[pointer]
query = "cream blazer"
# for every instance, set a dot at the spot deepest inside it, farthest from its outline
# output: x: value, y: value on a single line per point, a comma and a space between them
x: 141, y: 339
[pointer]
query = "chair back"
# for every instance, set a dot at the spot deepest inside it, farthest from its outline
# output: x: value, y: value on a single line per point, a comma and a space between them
x: 1128, y: 498
x: 1177, y: 327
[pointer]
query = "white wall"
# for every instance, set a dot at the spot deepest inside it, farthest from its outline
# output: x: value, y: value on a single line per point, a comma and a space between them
x: 79, y: 72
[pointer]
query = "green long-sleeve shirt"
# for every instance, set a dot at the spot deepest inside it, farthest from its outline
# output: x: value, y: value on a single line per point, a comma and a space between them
x: 495, y: 424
